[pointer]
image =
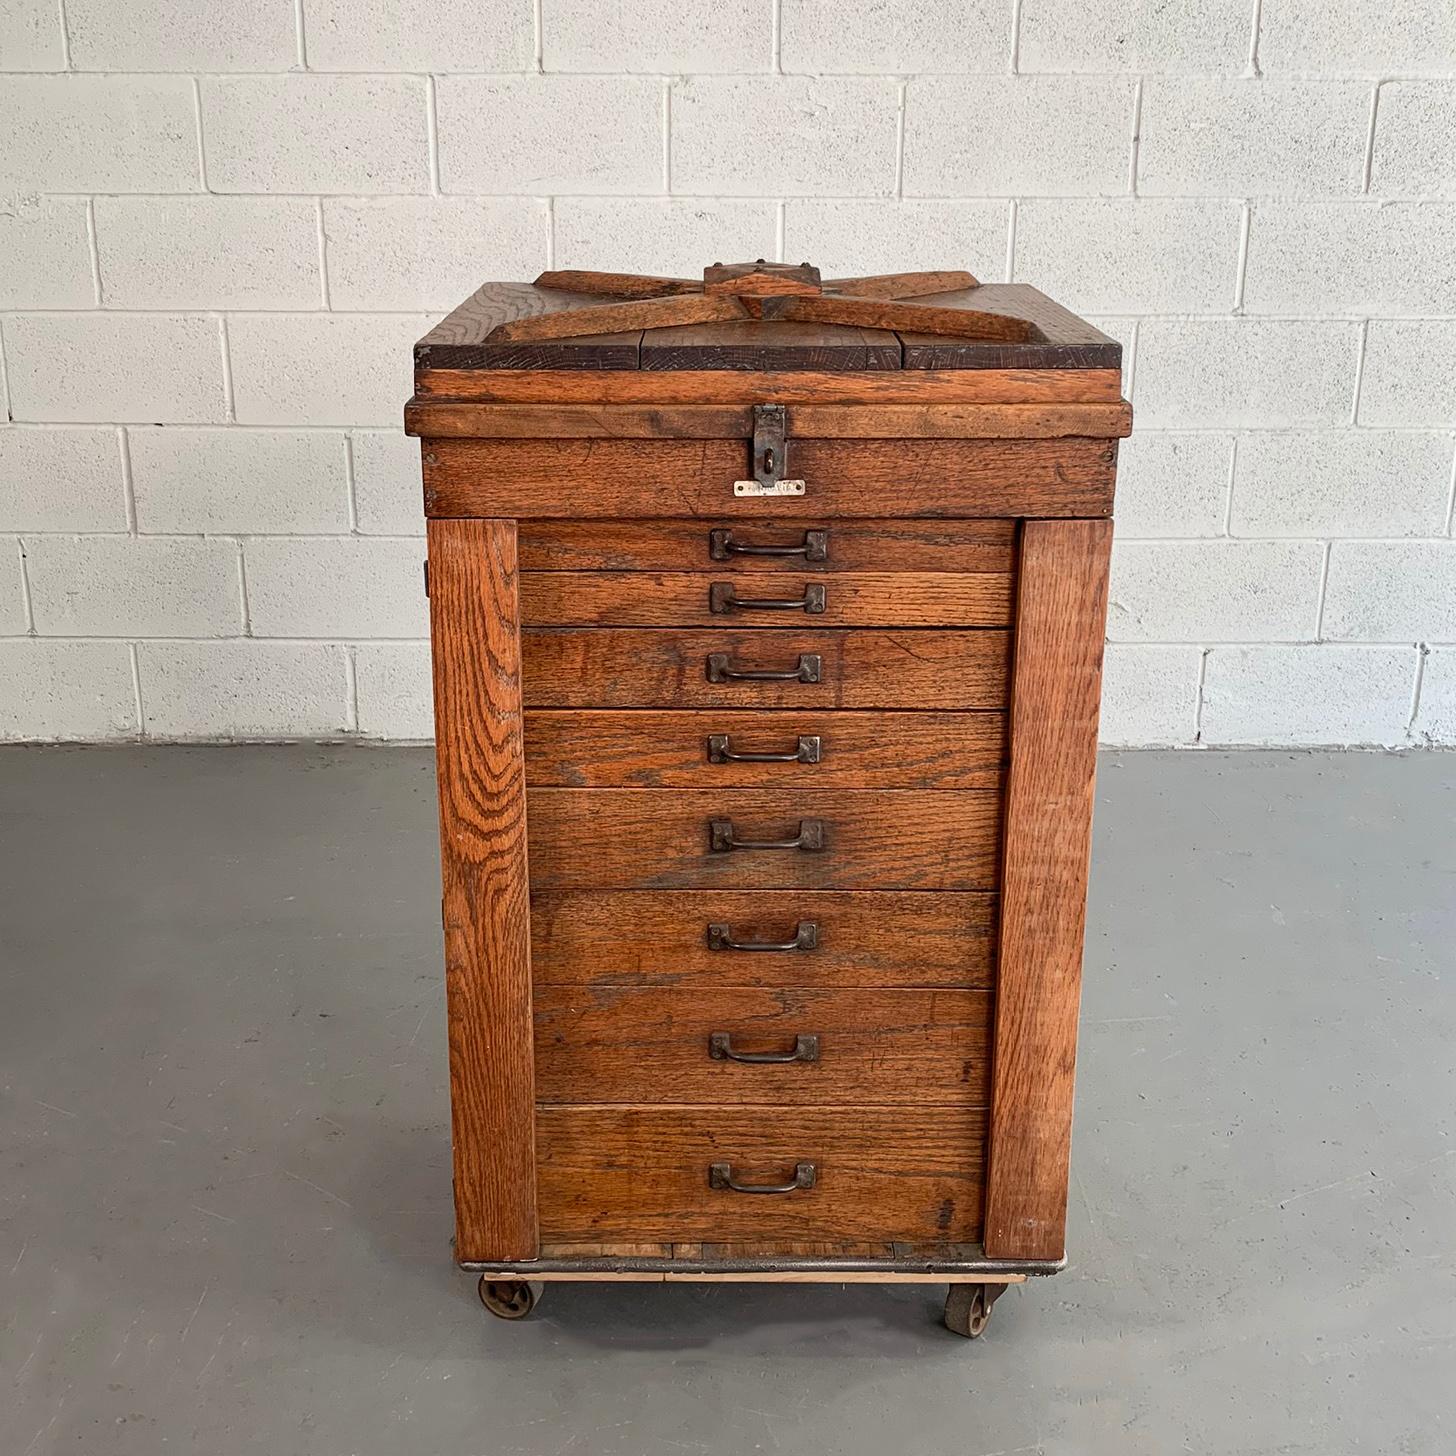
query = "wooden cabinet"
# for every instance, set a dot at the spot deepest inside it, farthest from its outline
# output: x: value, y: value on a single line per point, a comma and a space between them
x: 767, y: 623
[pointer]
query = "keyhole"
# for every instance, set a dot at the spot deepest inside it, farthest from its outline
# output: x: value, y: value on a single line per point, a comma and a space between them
x: 768, y: 460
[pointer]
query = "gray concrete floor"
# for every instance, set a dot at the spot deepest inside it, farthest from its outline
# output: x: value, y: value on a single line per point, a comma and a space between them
x: 224, y: 1171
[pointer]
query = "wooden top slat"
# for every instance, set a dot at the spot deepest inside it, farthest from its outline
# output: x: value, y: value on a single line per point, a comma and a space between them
x: 770, y: 345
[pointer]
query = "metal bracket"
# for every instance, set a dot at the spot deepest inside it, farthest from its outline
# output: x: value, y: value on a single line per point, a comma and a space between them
x: 770, y: 455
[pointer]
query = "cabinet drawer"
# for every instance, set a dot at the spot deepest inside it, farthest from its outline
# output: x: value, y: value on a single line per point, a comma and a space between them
x: 818, y: 545
x: 665, y: 839
x: 653, y: 668
x: 667, y: 938
x: 643, y: 1173
x: 615, y: 1044
x: 645, y: 749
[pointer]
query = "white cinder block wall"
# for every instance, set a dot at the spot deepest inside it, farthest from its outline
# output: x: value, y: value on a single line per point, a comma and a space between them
x: 221, y: 227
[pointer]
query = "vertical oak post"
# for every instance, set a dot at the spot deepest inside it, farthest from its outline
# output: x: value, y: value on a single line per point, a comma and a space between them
x: 1056, y: 683
x: 475, y: 623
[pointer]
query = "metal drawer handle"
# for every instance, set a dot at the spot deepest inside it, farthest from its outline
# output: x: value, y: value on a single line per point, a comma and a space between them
x: 720, y: 750
x: 721, y: 546
x: 722, y: 598
x: 720, y: 1175
x: 720, y: 1049
x: 806, y: 937
x: 721, y: 669
x: 721, y: 837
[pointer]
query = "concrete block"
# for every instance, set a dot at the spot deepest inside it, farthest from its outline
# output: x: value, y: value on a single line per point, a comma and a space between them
x: 374, y: 588
x: 1013, y: 135
x: 1435, y: 720
x: 126, y: 367
x: 799, y: 136
x: 419, y: 35
x: 1199, y: 36
x: 388, y: 493
x: 208, y: 252
x: 677, y: 236
x: 429, y: 252
x: 1237, y: 138
x: 125, y: 586
x: 1214, y: 591
x: 1342, y: 483
x: 323, y: 369
x: 1149, y: 696
x: 98, y: 134
x: 46, y: 252
x: 30, y: 36
x: 1391, y: 591
x: 182, y: 35
x: 1415, y: 140
x: 12, y: 588
x: 546, y: 134
x: 1172, y: 485
x: 897, y: 37
x: 1134, y: 255
x: 393, y: 684
x: 853, y: 237
x: 243, y: 689
x: 313, y: 133
x: 266, y: 482
x: 61, y: 479
x: 1358, y: 37
x: 65, y: 691
x: 1408, y: 378
x: 1197, y: 373
x: 636, y: 35
x: 1309, y: 695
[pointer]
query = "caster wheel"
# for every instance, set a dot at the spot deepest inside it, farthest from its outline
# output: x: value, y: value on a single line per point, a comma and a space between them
x: 510, y: 1299
x: 968, y: 1308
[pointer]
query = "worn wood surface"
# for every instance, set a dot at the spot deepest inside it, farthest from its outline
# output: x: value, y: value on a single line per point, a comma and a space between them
x: 485, y: 906
x: 1055, y: 694
x: 912, y: 316
x: 885, y: 1048
x: 757, y: 346
x: 686, y: 598
x: 604, y: 317
x: 641, y: 748
x: 875, y: 839
x: 865, y: 938
x: 616, y: 285
x: 646, y: 667
x: 903, y: 285
x: 642, y: 1173
x: 648, y: 544
x: 581, y: 479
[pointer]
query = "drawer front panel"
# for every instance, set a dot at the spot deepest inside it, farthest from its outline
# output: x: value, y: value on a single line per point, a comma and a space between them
x: 664, y: 839
x: 651, y: 668
x: 645, y: 749
x: 643, y: 1173
x: 667, y: 938
x: 683, y: 598
x: 613, y: 1044
x: 680, y: 545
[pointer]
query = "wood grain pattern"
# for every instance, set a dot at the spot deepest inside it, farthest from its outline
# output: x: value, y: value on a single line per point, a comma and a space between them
x: 593, y: 748
x: 594, y: 316
x: 903, y: 315
x: 903, y: 285
x: 617, y: 285
x: 658, y: 839
x: 864, y: 938
x: 1060, y: 339
x: 650, y: 544
x: 880, y: 1048
x: 646, y: 667
x: 756, y: 346
x: 1055, y: 694
x: 582, y: 479
x: 474, y: 625
x: 683, y: 598
x: 642, y: 1173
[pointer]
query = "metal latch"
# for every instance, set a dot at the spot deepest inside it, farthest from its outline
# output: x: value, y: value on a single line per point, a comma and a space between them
x: 770, y: 455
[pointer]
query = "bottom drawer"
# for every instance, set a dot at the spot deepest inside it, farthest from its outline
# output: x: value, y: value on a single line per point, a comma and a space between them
x: 645, y: 1173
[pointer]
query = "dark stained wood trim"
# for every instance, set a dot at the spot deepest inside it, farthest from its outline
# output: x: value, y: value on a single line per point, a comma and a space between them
x: 1056, y: 685
x: 475, y: 624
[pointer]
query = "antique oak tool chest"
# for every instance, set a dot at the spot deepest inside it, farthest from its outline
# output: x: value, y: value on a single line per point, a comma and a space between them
x: 767, y: 617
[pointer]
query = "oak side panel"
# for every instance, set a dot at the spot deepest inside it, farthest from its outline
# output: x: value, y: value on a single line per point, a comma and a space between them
x: 1056, y: 684
x: 475, y: 625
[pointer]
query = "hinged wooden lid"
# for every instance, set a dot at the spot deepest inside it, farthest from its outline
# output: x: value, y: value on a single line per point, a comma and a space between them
x: 763, y: 316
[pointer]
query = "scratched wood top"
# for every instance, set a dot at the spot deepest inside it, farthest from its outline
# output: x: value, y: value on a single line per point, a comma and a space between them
x: 1060, y: 340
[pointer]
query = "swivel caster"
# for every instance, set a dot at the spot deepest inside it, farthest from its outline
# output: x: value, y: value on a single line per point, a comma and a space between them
x: 968, y: 1308
x: 510, y: 1299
